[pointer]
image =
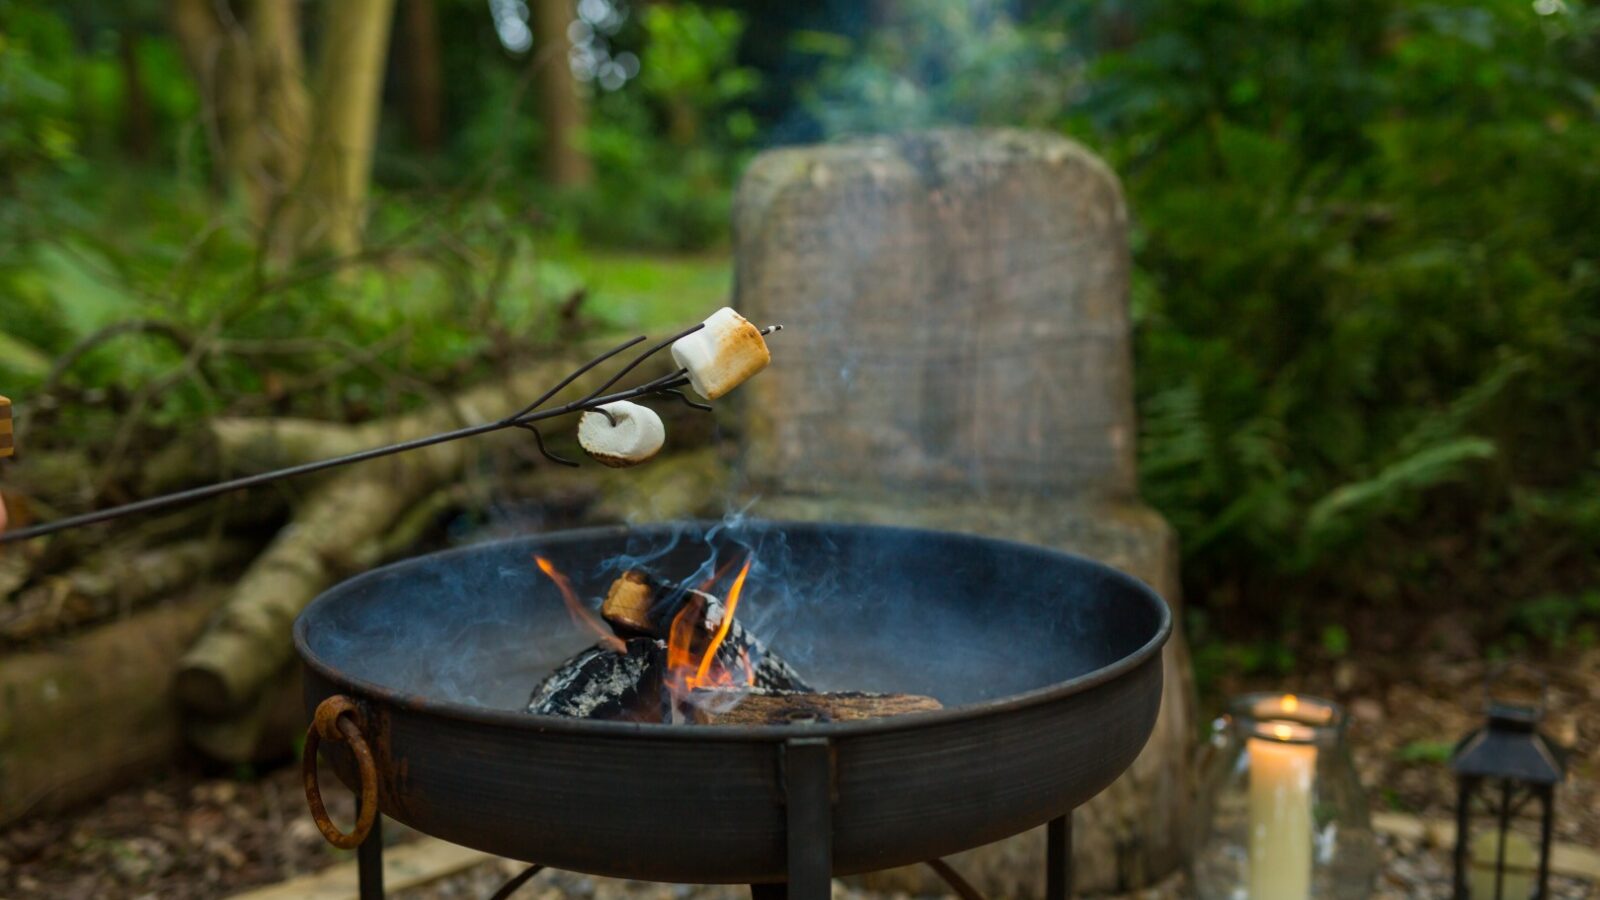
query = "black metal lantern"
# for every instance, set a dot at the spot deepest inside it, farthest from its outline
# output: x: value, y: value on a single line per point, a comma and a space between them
x: 1501, y: 768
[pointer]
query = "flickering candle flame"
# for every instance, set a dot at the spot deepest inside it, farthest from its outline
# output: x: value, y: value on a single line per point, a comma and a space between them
x: 1293, y: 708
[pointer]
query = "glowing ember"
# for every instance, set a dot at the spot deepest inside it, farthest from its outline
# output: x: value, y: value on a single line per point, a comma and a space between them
x: 581, y: 614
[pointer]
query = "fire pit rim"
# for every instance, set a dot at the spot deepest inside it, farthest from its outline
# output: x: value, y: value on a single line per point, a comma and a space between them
x: 508, y: 718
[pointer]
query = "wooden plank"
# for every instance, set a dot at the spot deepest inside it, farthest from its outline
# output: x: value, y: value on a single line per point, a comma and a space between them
x: 1565, y: 859
x: 405, y: 866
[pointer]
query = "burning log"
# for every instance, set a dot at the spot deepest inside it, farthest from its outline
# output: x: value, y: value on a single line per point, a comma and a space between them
x: 640, y: 604
x: 600, y: 683
x: 762, y: 707
x: 771, y: 671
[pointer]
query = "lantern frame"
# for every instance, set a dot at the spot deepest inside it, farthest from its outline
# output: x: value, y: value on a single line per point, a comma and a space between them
x: 1507, y: 763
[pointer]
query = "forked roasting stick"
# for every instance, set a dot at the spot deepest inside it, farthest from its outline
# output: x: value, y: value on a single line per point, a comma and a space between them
x: 713, y: 358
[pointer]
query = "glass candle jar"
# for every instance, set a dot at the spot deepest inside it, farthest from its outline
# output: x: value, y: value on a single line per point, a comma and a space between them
x: 1282, y: 815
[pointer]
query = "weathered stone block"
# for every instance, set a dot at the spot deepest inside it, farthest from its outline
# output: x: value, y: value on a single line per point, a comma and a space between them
x: 956, y: 355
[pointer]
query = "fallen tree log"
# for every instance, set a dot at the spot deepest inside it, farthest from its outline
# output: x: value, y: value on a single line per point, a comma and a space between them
x: 228, y: 446
x: 117, y: 582
x: 249, y: 638
x: 265, y: 732
x: 93, y: 711
x: 332, y: 528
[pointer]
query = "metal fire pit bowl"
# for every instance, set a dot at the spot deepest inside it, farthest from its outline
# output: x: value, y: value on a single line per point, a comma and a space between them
x: 1048, y: 664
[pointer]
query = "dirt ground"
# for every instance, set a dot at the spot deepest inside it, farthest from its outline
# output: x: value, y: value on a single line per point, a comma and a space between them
x: 186, y: 835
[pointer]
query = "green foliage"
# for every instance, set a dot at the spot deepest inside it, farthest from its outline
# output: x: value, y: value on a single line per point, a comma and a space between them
x: 36, y: 130
x: 1365, y: 240
x: 1432, y: 752
x: 1366, y: 291
x: 1556, y: 619
x: 668, y: 146
x: 1335, y: 640
x: 1366, y: 296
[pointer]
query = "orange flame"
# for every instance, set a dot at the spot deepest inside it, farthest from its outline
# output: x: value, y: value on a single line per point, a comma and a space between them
x: 727, y: 624
x: 688, y: 668
x: 680, y: 656
x: 581, y: 614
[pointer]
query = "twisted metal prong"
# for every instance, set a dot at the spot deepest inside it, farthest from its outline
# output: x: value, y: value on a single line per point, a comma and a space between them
x: 770, y: 329
x: 521, y: 419
x: 670, y: 380
x: 685, y: 398
x: 539, y: 439
x: 653, y: 350
x: 610, y: 416
x: 573, y: 376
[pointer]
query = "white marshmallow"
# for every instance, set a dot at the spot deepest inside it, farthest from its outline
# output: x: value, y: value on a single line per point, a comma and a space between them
x: 723, y: 354
x: 637, y: 436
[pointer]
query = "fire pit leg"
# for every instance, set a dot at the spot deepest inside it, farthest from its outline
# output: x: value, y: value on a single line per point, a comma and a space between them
x: 1058, y: 861
x: 808, y: 784
x: 369, y: 860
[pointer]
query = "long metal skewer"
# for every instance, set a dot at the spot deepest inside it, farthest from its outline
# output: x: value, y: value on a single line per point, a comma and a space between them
x: 525, y: 418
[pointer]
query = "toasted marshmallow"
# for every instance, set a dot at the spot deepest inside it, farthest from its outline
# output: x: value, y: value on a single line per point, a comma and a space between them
x: 723, y: 354
x: 637, y: 436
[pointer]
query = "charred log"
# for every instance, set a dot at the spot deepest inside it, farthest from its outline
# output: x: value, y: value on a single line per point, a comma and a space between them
x: 600, y: 683
x: 760, y: 707
x: 772, y: 672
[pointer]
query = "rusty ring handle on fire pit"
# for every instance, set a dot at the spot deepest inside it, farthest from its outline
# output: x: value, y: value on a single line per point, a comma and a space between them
x: 337, y: 719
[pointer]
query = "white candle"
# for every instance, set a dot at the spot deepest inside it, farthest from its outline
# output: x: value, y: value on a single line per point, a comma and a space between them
x: 1283, y: 765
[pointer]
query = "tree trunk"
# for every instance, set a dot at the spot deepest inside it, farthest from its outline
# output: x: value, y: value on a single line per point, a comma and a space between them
x: 562, y: 109
x: 217, y: 58
x: 251, y: 80
x: 424, y: 75
x: 282, y: 121
x: 138, y: 133
x: 331, y: 210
